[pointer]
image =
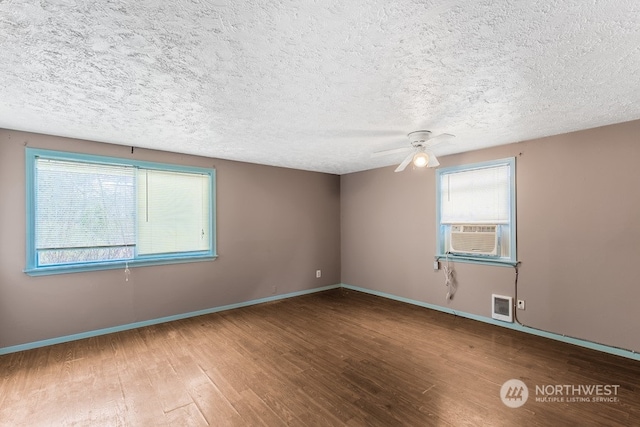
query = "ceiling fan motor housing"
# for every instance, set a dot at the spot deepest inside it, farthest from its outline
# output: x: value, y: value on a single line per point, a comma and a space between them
x: 419, y: 137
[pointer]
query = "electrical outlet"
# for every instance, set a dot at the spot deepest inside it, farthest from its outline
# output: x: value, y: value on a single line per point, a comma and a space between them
x: 520, y: 304
x: 274, y: 289
x: 318, y: 274
x: 436, y: 265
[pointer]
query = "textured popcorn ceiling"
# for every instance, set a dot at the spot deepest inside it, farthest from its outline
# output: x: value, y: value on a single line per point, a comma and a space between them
x: 316, y: 85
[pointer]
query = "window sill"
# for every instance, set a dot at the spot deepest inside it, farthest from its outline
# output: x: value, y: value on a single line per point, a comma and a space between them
x: 499, y: 262
x: 115, y: 265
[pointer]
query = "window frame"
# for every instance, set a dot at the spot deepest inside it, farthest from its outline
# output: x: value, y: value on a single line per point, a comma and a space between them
x: 441, y: 253
x: 33, y: 269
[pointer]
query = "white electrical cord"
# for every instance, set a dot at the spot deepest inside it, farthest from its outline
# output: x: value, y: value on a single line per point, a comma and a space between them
x: 448, y: 279
x: 127, y: 272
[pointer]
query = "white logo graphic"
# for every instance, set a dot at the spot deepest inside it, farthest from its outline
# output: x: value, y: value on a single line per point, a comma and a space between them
x: 514, y: 393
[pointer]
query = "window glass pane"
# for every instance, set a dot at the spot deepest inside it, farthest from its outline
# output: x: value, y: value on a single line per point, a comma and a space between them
x: 173, y: 212
x: 83, y: 212
x: 476, y: 196
x: 84, y: 255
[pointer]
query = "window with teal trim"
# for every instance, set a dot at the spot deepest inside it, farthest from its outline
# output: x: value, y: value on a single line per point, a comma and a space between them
x: 92, y: 212
x: 476, y: 212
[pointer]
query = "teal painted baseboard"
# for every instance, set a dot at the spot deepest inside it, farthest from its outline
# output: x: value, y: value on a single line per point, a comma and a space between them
x: 89, y: 334
x: 515, y: 326
x: 582, y: 343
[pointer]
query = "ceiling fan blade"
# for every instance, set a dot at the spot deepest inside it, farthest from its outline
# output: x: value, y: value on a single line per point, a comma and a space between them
x: 404, y: 163
x: 433, y: 160
x: 439, y: 138
x: 392, y: 151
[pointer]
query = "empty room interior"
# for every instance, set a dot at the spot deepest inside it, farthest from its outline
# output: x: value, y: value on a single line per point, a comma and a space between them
x: 319, y: 213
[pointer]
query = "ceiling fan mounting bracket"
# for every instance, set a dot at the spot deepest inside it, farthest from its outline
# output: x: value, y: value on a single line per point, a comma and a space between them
x: 419, y: 138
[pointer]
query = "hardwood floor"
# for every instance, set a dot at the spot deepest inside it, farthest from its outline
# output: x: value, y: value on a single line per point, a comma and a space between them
x: 333, y: 358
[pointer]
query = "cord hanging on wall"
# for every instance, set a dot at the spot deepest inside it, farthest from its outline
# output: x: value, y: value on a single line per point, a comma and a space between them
x: 449, y: 280
x: 127, y: 272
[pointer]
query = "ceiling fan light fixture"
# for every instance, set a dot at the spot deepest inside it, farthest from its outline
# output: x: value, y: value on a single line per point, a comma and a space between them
x: 420, y: 153
x: 421, y: 159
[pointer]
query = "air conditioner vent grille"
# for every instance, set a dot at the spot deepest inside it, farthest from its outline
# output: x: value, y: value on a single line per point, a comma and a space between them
x: 481, y: 239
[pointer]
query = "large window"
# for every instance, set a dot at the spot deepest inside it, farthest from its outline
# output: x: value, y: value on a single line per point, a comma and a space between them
x: 476, y: 212
x: 92, y: 212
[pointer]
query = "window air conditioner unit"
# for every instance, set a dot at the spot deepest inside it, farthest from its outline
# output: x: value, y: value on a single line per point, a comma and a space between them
x: 476, y: 239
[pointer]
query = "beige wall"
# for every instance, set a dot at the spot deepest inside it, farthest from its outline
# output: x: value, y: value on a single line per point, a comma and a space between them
x: 578, y: 232
x: 275, y: 228
x: 578, y: 241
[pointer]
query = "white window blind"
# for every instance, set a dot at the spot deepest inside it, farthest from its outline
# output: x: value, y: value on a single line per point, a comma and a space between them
x: 476, y: 196
x: 173, y: 212
x: 88, y: 212
x: 84, y: 212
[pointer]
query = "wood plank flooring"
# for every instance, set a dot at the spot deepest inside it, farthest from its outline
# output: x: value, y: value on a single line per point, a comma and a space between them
x: 333, y: 358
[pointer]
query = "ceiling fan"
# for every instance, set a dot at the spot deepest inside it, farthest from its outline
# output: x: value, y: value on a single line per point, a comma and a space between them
x: 421, y: 154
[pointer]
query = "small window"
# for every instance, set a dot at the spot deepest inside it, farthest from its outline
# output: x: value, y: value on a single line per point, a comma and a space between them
x: 476, y: 212
x: 92, y: 212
